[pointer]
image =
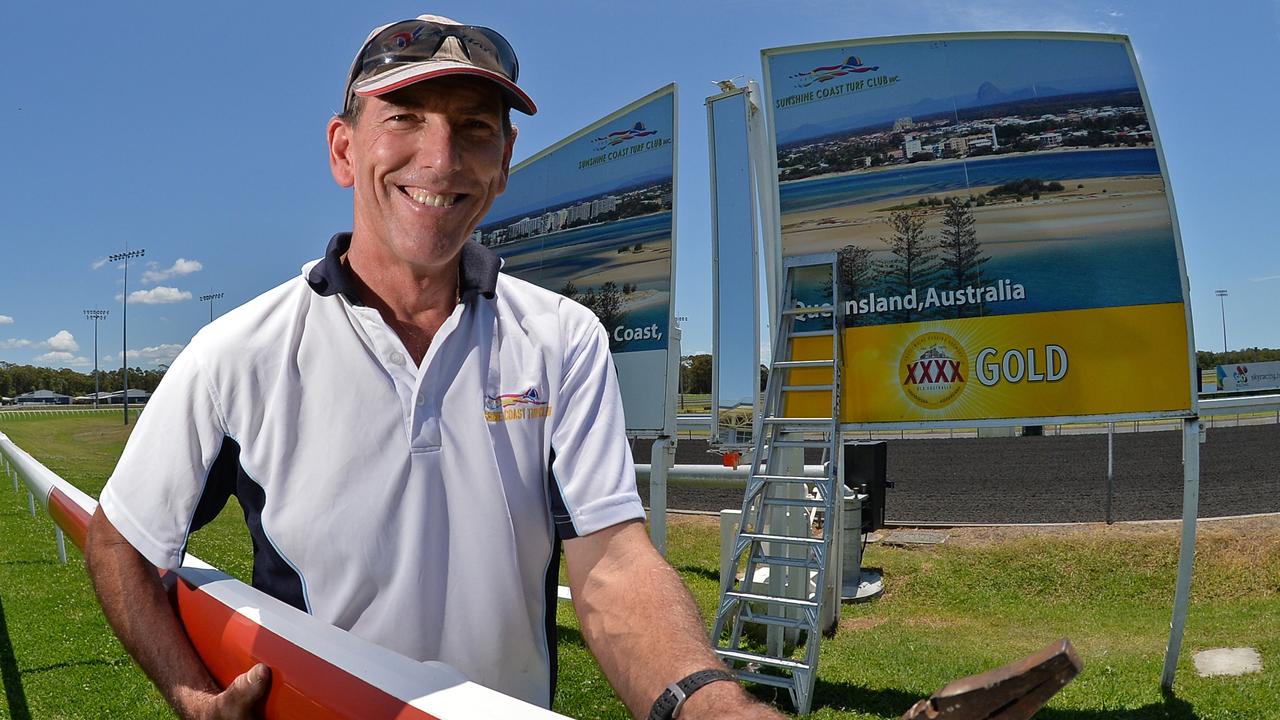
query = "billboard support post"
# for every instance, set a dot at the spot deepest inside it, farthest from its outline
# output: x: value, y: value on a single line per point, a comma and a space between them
x: 663, y: 456
x: 1187, y: 553
x: 1111, y: 476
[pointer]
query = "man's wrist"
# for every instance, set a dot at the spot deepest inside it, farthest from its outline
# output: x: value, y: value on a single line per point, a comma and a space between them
x: 671, y: 701
x: 726, y: 700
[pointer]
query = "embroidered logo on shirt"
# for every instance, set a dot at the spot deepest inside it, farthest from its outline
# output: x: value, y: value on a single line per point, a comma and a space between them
x: 515, y: 406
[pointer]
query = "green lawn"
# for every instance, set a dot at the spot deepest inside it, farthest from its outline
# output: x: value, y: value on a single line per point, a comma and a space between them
x: 982, y: 599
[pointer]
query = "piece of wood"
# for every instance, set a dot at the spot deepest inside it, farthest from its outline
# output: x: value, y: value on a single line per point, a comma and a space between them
x: 1012, y: 692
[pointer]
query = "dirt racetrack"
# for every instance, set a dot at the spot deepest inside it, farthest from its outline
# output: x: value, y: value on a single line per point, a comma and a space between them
x: 1046, y: 479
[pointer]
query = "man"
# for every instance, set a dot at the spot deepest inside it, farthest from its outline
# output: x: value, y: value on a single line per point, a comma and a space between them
x: 356, y: 413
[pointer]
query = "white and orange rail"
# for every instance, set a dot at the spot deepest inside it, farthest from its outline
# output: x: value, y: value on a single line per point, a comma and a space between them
x: 319, y: 672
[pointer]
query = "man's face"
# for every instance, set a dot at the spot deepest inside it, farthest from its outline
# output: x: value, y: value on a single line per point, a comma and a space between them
x: 426, y: 162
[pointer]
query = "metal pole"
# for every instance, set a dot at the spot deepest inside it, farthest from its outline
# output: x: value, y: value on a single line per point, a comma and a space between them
x: 62, y: 544
x: 1111, y: 478
x: 31, y: 503
x: 1222, y: 303
x: 124, y: 332
x: 1187, y: 553
x: 210, y: 298
x: 661, y: 464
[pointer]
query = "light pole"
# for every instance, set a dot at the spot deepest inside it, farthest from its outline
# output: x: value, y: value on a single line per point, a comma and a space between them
x: 1223, y: 304
x: 95, y: 316
x: 124, y: 333
x: 211, y: 297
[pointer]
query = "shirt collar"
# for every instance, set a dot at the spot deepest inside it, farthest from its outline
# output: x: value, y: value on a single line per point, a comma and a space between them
x: 477, y: 271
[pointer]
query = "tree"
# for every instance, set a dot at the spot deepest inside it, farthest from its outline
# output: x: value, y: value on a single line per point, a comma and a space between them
x: 569, y: 290
x: 695, y: 373
x: 915, y: 256
x: 609, y: 305
x: 962, y: 257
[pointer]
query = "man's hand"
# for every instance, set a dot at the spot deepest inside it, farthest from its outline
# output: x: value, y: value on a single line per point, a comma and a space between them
x: 135, y: 603
x: 238, y: 702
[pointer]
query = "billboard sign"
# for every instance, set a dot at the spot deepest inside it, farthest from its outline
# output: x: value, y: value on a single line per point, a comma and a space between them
x: 591, y: 217
x: 998, y: 209
x: 1241, y: 377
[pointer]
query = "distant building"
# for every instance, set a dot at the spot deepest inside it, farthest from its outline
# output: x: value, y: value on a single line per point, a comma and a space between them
x: 117, y: 397
x: 911, y: 146
x: 42, y: 397
x: 902, y: 124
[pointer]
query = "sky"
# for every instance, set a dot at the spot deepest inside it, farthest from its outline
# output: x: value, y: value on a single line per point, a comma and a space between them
x: 196, y: 132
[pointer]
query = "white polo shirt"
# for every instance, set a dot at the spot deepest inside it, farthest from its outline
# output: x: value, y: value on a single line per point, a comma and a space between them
x: 420, y: 508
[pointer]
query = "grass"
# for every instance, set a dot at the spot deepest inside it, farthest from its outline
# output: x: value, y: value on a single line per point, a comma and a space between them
x: 984, y: 598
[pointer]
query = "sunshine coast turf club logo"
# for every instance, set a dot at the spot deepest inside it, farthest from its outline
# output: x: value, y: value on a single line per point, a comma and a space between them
x: 933, y: 369
x: 515, y: 406
x: 618, y: 137
x: 824, y: 73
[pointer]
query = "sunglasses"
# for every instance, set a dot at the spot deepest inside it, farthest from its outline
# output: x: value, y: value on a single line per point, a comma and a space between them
x: 415, y: 41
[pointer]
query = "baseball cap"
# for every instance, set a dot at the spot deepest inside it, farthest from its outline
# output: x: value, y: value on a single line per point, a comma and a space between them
x: 431, y: 46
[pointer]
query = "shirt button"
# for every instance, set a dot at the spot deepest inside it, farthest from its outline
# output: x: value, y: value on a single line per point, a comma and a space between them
x: 396, y: 358
x: 422, y: 400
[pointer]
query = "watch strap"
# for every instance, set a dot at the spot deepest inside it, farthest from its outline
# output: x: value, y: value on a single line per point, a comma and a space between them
x: 668, y: 704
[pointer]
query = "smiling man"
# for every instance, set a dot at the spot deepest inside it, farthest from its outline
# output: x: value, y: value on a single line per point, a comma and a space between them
x: 414, y: 436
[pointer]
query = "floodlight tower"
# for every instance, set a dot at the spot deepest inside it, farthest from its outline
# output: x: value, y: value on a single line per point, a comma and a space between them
x: 95, y: 316
x: 210, y: 298
x: 1223, y: 305
x: 124, y: 333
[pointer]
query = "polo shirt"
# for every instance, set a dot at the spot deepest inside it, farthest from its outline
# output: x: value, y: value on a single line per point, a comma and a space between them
x: 418, y: 507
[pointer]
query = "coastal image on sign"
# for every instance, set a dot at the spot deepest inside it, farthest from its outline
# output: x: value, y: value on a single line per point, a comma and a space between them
x: 977, y: 178
x: 591, y: 218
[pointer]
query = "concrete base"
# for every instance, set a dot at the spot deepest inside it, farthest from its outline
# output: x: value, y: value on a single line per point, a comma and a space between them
x: 1227, y: 661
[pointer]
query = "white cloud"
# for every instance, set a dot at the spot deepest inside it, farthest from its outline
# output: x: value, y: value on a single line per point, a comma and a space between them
x: 159, y: 295
x: 64, y: 341
x: 15, y: 343
x: 154, y: 355
x: 62, y: 359
x: 98, y: 263
x: 6, y: 320
x: 1265, y: 279
x: 180, y: 267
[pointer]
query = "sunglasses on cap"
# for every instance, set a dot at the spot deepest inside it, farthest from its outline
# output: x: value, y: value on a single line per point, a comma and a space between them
x: 418, y: 41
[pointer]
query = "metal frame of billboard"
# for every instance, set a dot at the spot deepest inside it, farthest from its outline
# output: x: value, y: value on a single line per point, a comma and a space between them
x: 716, y: 353
x: 776, y: 220
x: 1191, y: 430
x: 668, y: 428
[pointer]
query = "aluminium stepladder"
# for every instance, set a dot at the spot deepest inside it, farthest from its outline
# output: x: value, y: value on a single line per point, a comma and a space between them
x: 801, y: 592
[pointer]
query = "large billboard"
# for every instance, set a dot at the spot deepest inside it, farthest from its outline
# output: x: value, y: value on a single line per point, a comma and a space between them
x: 591, y: 217
x: 1005, y: 241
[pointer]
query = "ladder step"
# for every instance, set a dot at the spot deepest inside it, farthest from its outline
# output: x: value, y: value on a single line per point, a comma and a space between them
x: 807, y: 388
x: 740, y: 656
x: 812, y: 333
x: 771, y: 560
x: 774, y: 599
x: 799, y: 421
x: 778, y: 681
x: 803, y: 363
x: 775, y: 620
x: 794, y: 502
x: 789, y: 478
x: 786, y: 539
x: 809, y: 310
x: 820, y: 444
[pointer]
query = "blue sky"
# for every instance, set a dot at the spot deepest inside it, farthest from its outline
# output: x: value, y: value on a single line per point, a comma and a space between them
x: 197, y: 133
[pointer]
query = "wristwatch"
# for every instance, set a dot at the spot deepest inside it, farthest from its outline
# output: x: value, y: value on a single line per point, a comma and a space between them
x: 668, y: 704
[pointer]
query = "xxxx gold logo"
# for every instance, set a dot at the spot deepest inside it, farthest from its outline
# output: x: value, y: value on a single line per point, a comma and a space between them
x: 933, y: 370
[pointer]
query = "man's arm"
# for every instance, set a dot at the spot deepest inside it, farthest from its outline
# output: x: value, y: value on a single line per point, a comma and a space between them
x: 643, y: 626
x: 136, y: 605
